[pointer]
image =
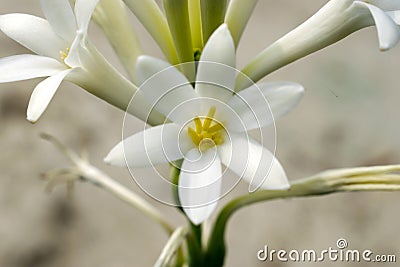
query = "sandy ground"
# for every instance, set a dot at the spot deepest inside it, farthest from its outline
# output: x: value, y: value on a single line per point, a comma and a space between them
x: 348, y: 117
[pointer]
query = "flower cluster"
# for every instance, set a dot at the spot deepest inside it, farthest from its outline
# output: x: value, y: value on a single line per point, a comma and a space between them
x: 199, y: 105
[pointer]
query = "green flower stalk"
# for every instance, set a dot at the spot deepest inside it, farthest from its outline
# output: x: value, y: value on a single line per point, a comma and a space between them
x: 379, y: 178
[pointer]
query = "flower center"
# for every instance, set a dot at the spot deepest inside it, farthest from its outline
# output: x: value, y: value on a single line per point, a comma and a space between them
x: 64, y: 54
x: 208, y: 132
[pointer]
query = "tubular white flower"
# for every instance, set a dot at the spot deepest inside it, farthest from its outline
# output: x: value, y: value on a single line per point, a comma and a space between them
x: 333, y: 22
x: 204, y: 130
x: 64, y: 53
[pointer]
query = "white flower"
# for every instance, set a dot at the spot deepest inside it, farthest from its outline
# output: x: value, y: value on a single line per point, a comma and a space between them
x: 56, y: 41
x: 208, y: 126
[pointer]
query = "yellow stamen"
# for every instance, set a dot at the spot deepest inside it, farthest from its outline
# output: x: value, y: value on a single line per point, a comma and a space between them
x: 209, y: 118
x: 193, y: 135
x: 207, y: 133
x: 216, y: 128
x: 64, y: 54
x: 199, y: 126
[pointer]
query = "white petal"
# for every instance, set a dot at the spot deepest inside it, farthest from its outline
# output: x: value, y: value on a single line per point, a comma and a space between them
x: 73, y: 59
x: 216, y: 66
x: 388, y: 31
x: 34, y: 33
x: 61, y: 17
x: 24, y: 67
x: 395, y: 15
x: 252, y: 162
x: 200, y: 184
x: 83, y: 12
x: 255, y: 104
x: 160, y: 144
x: 387, y: 5
x: 165, y: 87
x: 42, y: 95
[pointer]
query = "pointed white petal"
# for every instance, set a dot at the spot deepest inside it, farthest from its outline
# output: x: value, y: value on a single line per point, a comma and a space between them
x: 24, y: 67
x: 387, y: 5
x: 252, y: 162
x: 42, y: 95
x: 216, y: 66
x: 83, y: 12
x: 73, y: 59
x: 200, y: 184
x: 388, y: 31
x: 61, y: 17
x: 254, y: 105
x: 165, y: 88
x: 395, y: 15
x: 160, y: 144
x: 34, y: 33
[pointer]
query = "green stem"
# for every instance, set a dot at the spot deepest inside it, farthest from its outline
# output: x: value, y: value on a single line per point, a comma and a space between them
x: 375, y: 178
x: 212, y: 16
x: 194, y: 244
x: 215, y: 253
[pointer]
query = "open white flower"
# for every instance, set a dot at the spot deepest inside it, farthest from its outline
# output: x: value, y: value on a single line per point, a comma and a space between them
x: 208, y: 126
x: 57, y: 42
x: 65, y: 53
x: 333, y: 22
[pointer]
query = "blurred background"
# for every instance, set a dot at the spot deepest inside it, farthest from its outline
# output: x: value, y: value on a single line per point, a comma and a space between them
x: 348, y: 117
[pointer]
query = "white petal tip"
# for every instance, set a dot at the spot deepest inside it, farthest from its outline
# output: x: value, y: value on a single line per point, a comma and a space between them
x: 116, y: 157
x: 31, y: 120
x: 223, y: 29
x: 384, y: 48
x: 196, y: 215
x: 31, y: 116
x: 144, y: 59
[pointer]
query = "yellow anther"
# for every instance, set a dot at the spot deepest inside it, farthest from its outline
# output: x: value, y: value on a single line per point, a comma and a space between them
x: 207, y: 133
x: 199, y: 126
x: 64, y: 54
x: 209, y: 119
x: 193, y: 135
x: 216, y: 128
